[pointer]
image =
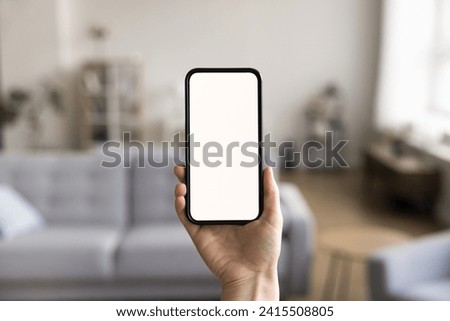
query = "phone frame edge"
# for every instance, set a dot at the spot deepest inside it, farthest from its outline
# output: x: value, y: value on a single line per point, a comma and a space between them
x: 187, y: 149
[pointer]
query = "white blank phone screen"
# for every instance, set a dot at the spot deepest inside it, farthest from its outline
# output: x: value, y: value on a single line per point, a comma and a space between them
x: 223, y: 113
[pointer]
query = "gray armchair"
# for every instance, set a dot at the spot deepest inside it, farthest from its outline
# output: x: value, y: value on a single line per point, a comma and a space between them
x: 418, y: 270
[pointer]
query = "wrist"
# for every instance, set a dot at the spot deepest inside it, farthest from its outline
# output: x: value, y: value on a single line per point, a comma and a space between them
x: 256, y: 287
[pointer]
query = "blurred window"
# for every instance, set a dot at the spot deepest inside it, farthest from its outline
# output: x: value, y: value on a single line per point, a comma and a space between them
x: 441, y: 88
x: 414, y: 74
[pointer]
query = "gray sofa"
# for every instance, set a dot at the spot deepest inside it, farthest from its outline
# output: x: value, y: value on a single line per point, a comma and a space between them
x: 113, y: 234
x: 418, y: 270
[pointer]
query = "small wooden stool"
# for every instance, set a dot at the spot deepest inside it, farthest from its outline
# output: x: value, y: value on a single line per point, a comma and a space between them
x: 350, y: 245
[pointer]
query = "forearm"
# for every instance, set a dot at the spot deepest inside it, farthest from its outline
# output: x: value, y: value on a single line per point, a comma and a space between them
x: 261, y: 287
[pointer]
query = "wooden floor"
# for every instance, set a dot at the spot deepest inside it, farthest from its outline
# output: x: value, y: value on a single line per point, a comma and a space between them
x: 337, y: 200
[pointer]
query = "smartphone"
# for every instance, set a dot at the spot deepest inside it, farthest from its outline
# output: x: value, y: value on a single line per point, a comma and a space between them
x: 223, y: 140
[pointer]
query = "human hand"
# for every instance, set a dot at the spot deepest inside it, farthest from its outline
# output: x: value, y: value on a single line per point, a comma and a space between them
x: 243, y: 257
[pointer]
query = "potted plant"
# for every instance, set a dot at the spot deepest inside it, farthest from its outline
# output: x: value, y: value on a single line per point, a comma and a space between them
x: 10, y: 108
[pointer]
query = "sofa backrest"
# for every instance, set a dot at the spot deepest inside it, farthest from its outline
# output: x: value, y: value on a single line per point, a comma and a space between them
x: 152, y: 190
x: 152, y: 187
x: 69, y: 188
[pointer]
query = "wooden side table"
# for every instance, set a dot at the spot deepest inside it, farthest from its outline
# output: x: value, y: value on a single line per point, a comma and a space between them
x: 349, y: 245
x: 404, y: 177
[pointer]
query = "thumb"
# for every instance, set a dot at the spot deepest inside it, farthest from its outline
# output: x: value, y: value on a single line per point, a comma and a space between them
x: 271, y: 194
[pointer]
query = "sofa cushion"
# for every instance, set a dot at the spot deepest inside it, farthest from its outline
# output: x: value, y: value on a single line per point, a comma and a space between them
x: 437, y: 290
x: 60, y: 253
x: 17, y: 216
x: 166, y: 251
x: 152, y: 191
x: 160, y: 251
x: 68, y: 188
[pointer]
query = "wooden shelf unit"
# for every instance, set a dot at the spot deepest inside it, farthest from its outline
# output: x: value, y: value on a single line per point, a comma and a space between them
x: 111, y: 100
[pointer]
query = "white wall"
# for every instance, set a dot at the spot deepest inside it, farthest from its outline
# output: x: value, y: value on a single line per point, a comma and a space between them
x: 32, y: 53
x: 29, y: 41
x: 298, y: 46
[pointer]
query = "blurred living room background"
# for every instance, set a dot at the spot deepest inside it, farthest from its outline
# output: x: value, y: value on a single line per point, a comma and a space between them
x: 77, y: 73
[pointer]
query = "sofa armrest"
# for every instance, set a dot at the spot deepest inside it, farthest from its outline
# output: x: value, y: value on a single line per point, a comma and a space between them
x: 299, y: 231
x: 393, y: 269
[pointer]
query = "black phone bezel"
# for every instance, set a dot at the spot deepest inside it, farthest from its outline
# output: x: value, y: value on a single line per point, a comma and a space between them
x: 187, y: 140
